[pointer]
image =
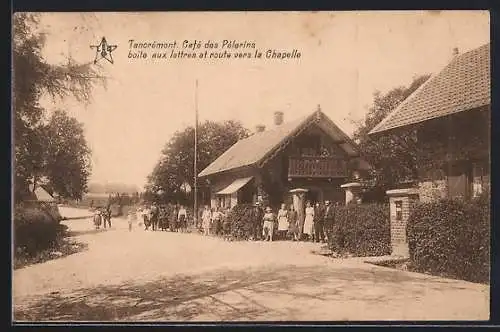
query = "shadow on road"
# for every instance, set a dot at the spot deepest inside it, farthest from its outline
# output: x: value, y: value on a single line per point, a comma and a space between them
x: 224, y: 295
x: 63, y: 246
x: 86, y: 232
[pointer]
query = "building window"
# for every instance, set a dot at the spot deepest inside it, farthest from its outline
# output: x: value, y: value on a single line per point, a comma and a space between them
x: 480, y: 179
x: 399, y: 210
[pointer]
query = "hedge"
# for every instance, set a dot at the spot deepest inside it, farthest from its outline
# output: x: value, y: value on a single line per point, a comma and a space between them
x: 242, y: 222
x: 35, y: 227
x: 451, y: 238
x: 361, y: 230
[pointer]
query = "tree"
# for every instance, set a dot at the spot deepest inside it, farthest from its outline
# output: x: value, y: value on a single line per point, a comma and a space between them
x: 393, y: 156
x: 67, y: 161
x: 175, y: 166
x: 33, y: 78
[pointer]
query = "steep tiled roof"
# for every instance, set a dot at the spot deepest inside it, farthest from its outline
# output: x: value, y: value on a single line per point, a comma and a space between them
x: 41, y: 195
x: 464, y: 84
x: 256, y: 148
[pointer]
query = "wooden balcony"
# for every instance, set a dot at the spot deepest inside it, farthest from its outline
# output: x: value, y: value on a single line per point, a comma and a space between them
x: 316, y: 167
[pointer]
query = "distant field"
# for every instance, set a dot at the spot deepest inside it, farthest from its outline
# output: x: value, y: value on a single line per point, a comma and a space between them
x: 96, y: 200
x: 96, y: 195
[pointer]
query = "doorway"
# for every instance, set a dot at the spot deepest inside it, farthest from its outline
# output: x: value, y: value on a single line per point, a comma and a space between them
x: 459, y: 180
x: 313, y: 196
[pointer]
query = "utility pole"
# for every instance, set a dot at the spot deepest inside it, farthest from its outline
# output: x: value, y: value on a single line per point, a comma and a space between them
x: 195, y: 211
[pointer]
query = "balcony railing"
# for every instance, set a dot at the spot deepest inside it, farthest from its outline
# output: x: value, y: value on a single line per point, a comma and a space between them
x: 316, y: 167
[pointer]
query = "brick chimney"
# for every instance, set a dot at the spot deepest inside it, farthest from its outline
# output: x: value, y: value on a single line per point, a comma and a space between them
x: 278, y: 118
x: 455, y: 52
x: 260, y: 128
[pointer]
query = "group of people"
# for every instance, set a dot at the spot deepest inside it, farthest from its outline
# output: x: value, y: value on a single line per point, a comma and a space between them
x: 102, y: 216
x: 155, y: 216
x: 214, y: 221
x: 285, y: 224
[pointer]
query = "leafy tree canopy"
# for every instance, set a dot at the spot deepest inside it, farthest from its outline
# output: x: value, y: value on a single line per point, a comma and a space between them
x: 394, y: 155
x: 33, y: 78
x: 175, y: 167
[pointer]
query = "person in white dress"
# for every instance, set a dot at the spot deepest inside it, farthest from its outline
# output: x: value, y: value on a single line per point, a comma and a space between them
x: 206, y: 218
x: 283, y: 223
x: 309, y: 220
x: 145, y: 217
x: 131, y: 219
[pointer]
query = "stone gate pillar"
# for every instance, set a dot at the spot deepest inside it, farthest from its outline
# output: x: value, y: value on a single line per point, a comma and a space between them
x: 352, y: 192
x: 401, y: 203
x: 299, y: 198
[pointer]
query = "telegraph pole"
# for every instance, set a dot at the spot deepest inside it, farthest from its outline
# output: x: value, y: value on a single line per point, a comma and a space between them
x: 195, y: 213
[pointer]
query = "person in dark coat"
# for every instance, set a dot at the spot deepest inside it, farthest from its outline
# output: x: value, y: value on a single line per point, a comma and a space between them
x: 154, y: 216
x: 330, y: 223
x: 319, y: 222
x: 107, y: 215
x: 174, y: 210
x: 293, y: 228
x: 258, y: 214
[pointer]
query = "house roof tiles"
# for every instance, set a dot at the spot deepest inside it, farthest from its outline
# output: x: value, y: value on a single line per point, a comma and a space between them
x: 464, y: 84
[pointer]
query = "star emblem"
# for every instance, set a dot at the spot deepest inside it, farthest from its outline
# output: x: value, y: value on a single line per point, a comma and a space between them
x: 103, y: 51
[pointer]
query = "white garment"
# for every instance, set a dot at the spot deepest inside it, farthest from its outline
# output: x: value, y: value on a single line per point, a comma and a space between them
x: 182, y: 212
x: 283, y: 223
x: 309, y: 221
x: 206, y: 218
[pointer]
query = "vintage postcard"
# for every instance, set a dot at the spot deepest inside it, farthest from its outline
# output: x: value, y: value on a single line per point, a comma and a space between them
x: 251, y: 166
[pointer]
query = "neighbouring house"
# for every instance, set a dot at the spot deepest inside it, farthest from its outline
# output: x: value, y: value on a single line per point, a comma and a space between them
x: 450, y: 114
x: 41, y: 198
x: 310, y: 155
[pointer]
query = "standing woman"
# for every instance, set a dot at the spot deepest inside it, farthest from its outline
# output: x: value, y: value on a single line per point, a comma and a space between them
x: 206, y: 219
x: 182, y: 218
x: 283, y: 223
x: 268, y: 228
x: 309, y: 221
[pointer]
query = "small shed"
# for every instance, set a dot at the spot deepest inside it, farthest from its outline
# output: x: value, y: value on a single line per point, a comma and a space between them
x: 41, y: 198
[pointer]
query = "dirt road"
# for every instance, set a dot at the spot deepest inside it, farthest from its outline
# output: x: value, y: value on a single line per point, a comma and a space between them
x: 162, y: 276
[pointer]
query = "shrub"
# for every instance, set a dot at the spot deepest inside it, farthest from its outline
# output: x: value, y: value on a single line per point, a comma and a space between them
x: 361, y: 230
x: 241, y: 221
x: 451, y: 238
x: 35, y: 228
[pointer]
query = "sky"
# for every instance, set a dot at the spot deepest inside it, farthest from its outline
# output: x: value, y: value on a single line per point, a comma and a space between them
x: 345, y: 58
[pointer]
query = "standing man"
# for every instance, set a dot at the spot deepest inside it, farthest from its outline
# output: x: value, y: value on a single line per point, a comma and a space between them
x: 108, y: 214
x: 182, y: 219
x: 329, y: 221
x: 293, y: 230
x: 154, y: 216
x: 319, y: 222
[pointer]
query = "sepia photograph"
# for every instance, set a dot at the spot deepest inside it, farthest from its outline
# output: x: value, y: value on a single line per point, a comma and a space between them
x: 262, y: 167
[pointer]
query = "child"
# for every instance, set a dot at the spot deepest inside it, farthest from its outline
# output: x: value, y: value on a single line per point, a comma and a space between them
x: 97, y: 218
x: 131, y: 217
x: 268, y: 229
